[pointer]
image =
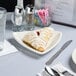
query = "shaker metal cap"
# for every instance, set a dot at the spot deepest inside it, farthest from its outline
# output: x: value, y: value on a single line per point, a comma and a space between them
x: 29, y: 9
x: 18, y: 10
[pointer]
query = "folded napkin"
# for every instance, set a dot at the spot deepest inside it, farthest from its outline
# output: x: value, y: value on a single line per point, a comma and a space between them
x: 8, y: 48
x: 59, y: 68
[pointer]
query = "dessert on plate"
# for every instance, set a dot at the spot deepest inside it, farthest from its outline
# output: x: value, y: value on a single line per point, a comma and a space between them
x: 39, y: 39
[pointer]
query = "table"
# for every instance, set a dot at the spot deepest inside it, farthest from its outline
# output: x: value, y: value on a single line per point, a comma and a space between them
x: 26, y: 63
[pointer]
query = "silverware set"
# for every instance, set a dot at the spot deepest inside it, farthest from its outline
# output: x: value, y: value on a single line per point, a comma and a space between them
x: 53, y: 72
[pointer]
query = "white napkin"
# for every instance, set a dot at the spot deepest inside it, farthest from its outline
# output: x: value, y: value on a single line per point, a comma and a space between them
x: 60, y: 69
x: 8, y: 48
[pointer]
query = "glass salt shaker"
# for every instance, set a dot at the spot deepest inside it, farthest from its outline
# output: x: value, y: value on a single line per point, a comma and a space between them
x: 18, y: 18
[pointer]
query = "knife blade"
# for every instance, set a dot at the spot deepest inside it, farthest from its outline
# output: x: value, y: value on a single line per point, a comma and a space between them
x: 66, y: 73
x: 65, y: 45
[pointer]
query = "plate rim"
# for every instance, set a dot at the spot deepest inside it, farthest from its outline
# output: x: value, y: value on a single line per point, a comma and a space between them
x: 33, y: 50
x: 73, y: 56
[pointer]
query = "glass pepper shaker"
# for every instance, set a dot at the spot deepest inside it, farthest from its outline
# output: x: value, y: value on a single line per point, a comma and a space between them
x: 29, y: 17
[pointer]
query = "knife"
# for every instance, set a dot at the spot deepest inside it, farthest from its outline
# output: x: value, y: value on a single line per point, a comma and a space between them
x: 66, y: 73
x: 58, y: 52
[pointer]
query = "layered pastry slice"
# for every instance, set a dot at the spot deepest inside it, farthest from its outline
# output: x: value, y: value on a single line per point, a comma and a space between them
x: 39, y: 39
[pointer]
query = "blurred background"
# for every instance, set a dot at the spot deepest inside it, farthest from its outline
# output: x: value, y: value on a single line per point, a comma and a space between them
x: 10, y: 4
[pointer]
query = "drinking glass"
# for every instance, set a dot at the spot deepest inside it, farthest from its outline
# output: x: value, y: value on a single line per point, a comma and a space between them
x: 2, y: 26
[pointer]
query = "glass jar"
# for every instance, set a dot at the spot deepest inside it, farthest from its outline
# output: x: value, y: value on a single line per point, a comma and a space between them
x: 42, y: 13
x: 42, y: 17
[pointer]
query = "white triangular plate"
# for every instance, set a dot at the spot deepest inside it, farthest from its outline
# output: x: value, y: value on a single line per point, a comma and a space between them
x: 18, y: 36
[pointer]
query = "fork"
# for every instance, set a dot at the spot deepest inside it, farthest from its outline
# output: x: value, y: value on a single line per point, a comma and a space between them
x: 52, y: 72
